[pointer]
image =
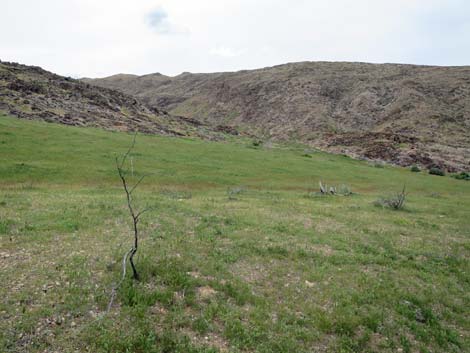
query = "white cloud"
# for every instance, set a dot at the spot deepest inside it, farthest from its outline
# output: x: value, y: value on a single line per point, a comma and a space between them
x: 159, y: 21
x: 98, y: 38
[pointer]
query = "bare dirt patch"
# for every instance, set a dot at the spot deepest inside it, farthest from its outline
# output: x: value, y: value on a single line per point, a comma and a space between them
x: 206, y: 292
x: 211, y: 339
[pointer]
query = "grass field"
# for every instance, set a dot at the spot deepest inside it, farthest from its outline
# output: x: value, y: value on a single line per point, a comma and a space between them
x: 238, y: 255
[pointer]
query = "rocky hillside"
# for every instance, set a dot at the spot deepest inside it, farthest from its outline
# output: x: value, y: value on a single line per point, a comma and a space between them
x: 403, y: 114
x: 32, y: 93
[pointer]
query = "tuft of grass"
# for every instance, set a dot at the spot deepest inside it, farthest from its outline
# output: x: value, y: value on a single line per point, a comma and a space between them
x: 5, y: 226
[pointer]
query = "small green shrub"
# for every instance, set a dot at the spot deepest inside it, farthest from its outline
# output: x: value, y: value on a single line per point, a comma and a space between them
x: 415, y: 169
x: 436, y: 171
x: 462, y: 176
x: 377, y: 164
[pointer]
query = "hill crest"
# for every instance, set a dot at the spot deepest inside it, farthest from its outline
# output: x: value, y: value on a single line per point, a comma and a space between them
x: 30, y: 92
x: 403, y: 114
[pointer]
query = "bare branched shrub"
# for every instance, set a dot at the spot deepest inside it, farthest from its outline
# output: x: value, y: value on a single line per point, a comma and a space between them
x: 233, y: 192
x: 134, y: 213
x: 395, y: 202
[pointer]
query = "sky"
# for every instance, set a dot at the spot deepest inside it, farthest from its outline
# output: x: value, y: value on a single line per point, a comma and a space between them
x: 97, y: 38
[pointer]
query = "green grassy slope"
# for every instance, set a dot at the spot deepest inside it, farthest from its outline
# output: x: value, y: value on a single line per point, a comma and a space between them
x: 268, y: 269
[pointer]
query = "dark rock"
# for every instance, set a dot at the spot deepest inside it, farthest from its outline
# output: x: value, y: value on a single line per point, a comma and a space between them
x: 53, y: 98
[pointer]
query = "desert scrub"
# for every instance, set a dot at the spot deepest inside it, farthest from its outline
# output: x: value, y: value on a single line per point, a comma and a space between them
x: 377, y: 164
x: 436, y: 171
x: 233, y: 192
x: 395, y: 202
x: 462, y: 176
x: 343, y: 190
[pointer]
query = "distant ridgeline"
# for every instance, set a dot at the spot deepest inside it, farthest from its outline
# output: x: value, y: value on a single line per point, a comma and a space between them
x: 402, y: 114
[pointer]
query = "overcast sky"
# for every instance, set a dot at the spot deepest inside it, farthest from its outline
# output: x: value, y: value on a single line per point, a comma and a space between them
x: 96, y: 38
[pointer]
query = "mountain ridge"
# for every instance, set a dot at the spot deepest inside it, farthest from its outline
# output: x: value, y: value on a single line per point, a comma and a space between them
x: 29, y: 92
x: 403, y: 114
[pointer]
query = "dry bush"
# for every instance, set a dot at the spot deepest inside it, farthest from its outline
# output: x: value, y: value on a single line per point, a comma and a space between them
x: 396, y: 202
